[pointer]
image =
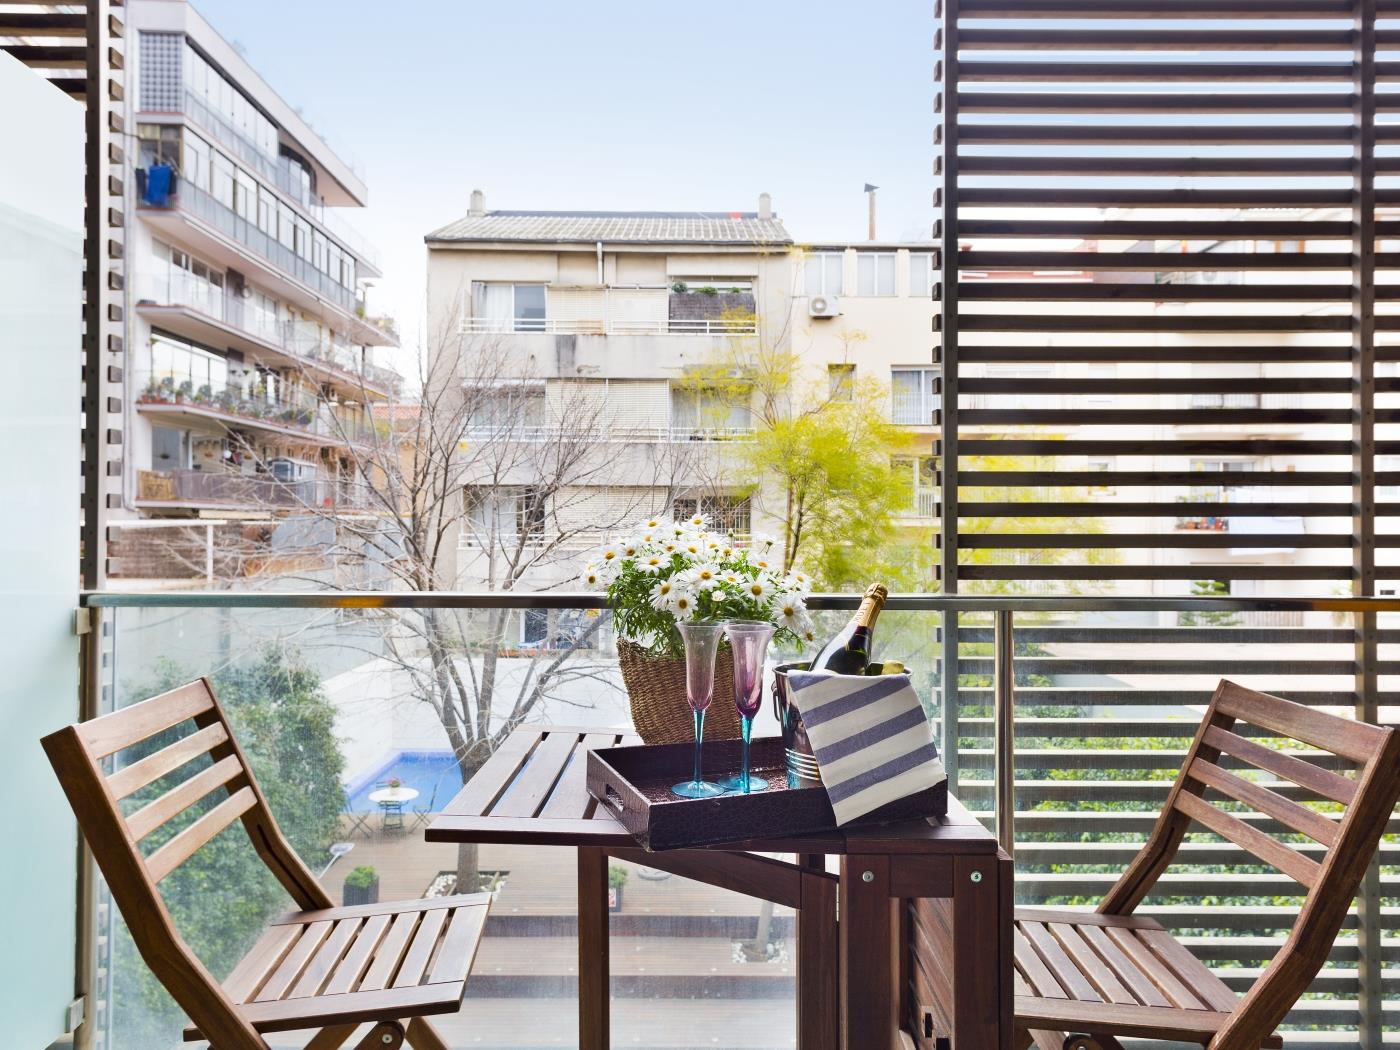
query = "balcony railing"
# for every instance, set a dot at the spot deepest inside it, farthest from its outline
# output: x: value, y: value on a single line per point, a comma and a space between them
x: 255, y: 406
x: 280, y: 172
x: 203, y: 206
x: 1062, y: 722
x: 923, y: 505
x: 210, y: 488
x: 296, y: 338
x: 601, y: 326
x: 605, y: 431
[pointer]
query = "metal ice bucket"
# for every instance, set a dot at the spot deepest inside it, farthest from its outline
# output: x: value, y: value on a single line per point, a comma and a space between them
x: 801, y: 762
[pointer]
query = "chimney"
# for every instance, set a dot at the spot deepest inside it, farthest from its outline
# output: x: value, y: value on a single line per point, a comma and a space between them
x: 765, y: 206
x: 478, y: 203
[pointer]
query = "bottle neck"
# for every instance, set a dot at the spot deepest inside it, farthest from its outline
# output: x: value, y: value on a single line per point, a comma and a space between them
x: 868, y: 611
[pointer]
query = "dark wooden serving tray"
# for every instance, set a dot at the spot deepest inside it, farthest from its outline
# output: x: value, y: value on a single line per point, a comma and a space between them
x: 634, y: 784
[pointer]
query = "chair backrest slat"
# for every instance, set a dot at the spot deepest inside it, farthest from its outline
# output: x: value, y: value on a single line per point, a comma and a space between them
x: 1261, y: 845
x: 1323, y: 781
x: 1350, y: 843
x: 179, y: 849
x: 130, y: 779
x: 181, y: 797
x: 1341, y: 736
x: 131, y: 725
x: 78, y: 755
x: 1305, y: 821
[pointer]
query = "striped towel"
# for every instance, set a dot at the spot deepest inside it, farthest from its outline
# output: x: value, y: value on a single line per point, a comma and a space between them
x: 872, y: 740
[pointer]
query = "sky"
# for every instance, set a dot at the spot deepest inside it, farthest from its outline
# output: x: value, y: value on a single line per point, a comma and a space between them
x: 613, y: 105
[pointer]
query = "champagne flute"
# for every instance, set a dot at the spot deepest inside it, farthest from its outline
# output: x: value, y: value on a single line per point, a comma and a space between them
x: 701, y: 644
x: 749, y: 639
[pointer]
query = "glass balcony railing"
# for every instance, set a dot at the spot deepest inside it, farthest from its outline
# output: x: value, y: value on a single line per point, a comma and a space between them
x: 303, y: 339
x: 1071, y: 765
x: 252, y: 404
x: 203, y: 206
x: 283, y: 175
x: 233, y: 489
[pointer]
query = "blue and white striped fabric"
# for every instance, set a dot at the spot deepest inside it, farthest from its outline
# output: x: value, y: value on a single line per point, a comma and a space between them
x: 872, y: 740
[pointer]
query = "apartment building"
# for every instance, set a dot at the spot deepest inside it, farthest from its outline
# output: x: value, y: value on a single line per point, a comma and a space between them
x: 252, y: 361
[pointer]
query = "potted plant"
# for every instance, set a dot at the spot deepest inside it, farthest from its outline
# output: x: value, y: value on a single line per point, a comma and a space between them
x: 205, y: 394
x: 361, y: 886
x: 184, y: 392
x: 617, y: 878
x: 667, y: 572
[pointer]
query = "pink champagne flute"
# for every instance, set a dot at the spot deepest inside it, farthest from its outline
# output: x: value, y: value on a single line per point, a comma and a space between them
x: 749, y: 640
x: 701, y: 645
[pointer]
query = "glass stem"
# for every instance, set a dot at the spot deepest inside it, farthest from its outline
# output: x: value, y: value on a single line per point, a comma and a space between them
x: 699, y: 736
x: 745, y: 729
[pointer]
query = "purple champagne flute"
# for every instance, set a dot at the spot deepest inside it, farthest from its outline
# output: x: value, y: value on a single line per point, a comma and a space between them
x: 701, y: 645
x: 749, y: 640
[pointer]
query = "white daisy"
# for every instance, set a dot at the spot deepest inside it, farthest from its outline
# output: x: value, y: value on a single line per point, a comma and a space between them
x: 662, y: 593
x: 792, y: 615
x: 609, y: 554
x: 757, y: 588
x: 733, y: 579
x: 704, y: 574
x: 682, y: 604
x: 809, y: 636
x: 797, y: 582
x: 591, y: 576
x: 651, y: 564
x: 761, y: 541
x: 698, y: 521
x: 650, y: 525
x: 629, y: 547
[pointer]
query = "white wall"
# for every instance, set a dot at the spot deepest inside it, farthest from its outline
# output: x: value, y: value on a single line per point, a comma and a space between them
x: 41, y: 200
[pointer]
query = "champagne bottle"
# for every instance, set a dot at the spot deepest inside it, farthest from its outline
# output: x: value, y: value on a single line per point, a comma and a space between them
x: 848, y: 651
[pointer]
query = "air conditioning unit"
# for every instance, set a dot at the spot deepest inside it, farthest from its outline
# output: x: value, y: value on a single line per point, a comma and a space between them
x: 824, y: 306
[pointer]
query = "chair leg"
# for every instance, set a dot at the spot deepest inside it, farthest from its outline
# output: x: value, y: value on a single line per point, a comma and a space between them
x: 423, y: 1036
x: 386, y: 1035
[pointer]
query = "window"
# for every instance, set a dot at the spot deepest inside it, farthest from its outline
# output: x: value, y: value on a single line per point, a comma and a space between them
x: 823, y: 273
x: 196, y: 168
x: 221, y: 179
x: 729, y: 514
x: 185, y: 369
x: 921, y: 274
x: 158, y: 144
x: 922, y: 475
x: 245, y: 195
x: 875, y: 273
x: 913, y: 396
x: 705, y: 408
x: 170, y: 448
x: 508, y: 307
x: 506, y: 408
x: 841, y: 382
x: 502, y: 515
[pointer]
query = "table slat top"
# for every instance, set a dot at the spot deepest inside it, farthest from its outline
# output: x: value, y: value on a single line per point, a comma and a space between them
x: 533, y: 791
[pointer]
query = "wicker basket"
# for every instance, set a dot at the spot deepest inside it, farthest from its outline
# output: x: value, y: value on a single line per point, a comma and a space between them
x: 656, y: 689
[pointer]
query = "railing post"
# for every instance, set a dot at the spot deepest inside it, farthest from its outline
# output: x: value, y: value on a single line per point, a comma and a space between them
x: 1004, y: 727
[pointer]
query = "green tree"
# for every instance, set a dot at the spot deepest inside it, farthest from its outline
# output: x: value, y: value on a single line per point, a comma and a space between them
x: 1209, y: 617
x: 223, y: 896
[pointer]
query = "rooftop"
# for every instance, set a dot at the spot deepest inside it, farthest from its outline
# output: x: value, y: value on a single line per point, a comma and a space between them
x: 641, y: 227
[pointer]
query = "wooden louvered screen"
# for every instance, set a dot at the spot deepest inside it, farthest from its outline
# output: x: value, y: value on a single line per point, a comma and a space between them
x: 1159, y: 279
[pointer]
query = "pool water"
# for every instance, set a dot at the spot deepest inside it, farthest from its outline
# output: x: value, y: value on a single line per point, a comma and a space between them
x: 433, y: 774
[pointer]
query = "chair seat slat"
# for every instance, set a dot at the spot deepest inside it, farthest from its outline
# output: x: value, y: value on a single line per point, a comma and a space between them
x: 424, y: 941
x: 264, y: 957
x: 391, y: 949
x: 1029, y: 962
x: 294, y: 962
x: 1301, y: 819
x: 130, y: 779
x: 1146, y: 993
x: 131, y: 725
x: 1325, y: 782
x: 1214, y: 992
x: 1060, y: 964
x: 179, y: 849
x: 454, y: 958
x: 1155, y: 970
x: 1251, y: 839
x: 319, y: 969
x: 181, y: 797
x: 1094, y: 969
x: 352, y: 967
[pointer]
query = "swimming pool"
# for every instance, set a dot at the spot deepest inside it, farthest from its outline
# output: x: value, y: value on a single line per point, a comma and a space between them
x: 433, y: 774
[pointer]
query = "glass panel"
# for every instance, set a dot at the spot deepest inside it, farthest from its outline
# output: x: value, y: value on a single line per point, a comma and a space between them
x: 529, y: 307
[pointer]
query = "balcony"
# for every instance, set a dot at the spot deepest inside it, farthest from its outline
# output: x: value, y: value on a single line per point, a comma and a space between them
x: 924, y: 505
x: 282, y: 174
x: 602, y: 326
x: 278, y: 263
x: 196, y: 310
x: 1073, y: 770
x: 297, y: 414
x: 618, y: 433
x: 204, y: 489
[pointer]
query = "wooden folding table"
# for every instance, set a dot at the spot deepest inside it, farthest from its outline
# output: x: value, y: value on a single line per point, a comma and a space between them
x: 921, y: 954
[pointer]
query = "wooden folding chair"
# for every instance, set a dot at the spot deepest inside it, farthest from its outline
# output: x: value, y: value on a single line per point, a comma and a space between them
x: 1112, y: 973
x: 322, y: 967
